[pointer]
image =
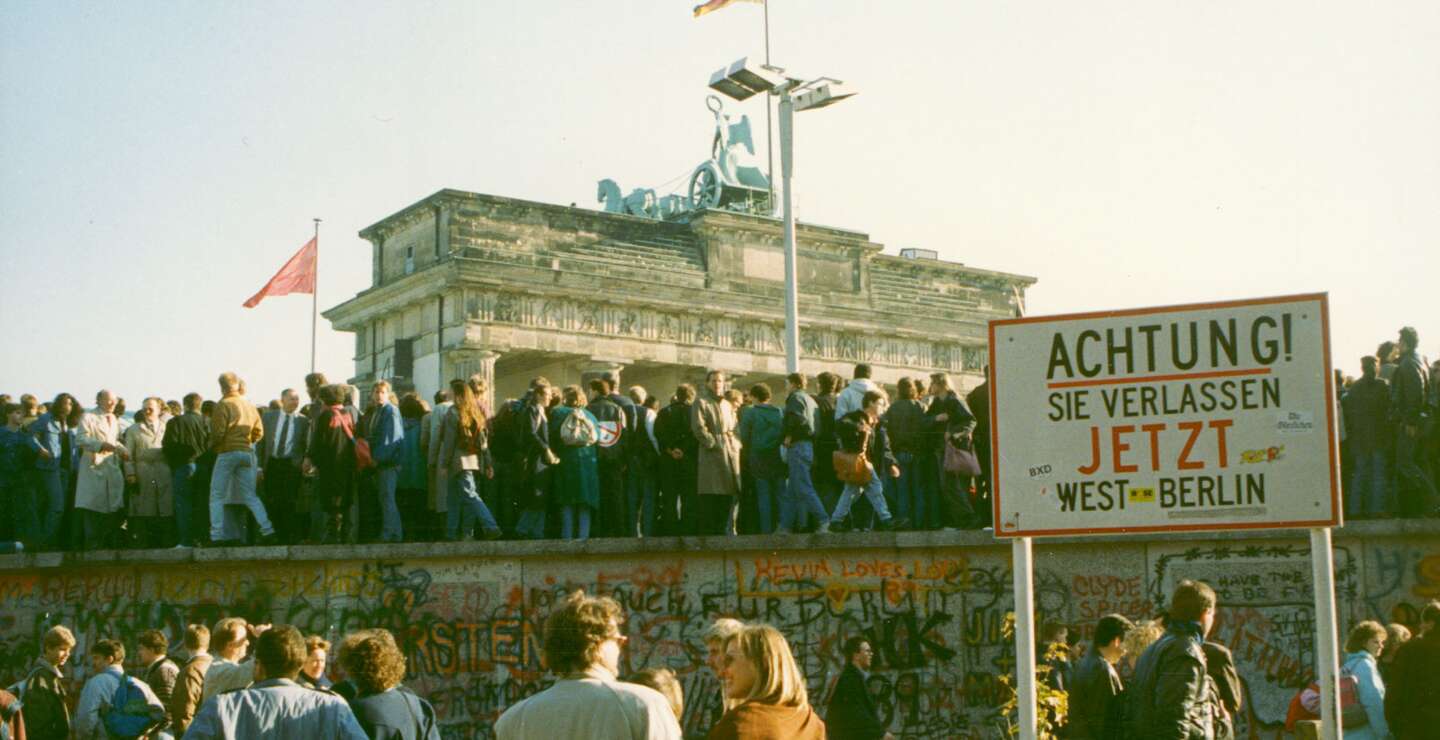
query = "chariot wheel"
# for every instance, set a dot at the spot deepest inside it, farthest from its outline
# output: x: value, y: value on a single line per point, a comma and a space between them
x: 705, y: 187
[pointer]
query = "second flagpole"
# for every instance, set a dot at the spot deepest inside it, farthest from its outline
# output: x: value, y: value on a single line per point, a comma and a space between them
x: 315, y: 297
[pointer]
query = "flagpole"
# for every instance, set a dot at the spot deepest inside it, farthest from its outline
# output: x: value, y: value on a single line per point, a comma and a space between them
x: 769, y: 150
x: 315, y: 297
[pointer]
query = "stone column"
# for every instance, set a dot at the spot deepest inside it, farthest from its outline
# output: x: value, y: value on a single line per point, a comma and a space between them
x: 468, y: 361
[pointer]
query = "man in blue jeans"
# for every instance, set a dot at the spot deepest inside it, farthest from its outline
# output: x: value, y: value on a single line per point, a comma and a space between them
x: 234, y: 429
x: 51, y: 430
x: 186, y: 438
x: 861, y: 431
x: 387, y: 437
x: 799, y: 502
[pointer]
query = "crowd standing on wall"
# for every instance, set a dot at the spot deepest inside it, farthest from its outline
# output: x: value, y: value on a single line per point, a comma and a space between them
x: 567, y: 462
x: 1390, y: 433
x: 579, y: 462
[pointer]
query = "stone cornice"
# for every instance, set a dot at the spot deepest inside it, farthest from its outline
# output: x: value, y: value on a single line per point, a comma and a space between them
x: 1366, y: 531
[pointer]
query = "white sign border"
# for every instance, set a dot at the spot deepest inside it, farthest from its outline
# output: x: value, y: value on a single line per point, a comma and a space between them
x: 1335, y: 519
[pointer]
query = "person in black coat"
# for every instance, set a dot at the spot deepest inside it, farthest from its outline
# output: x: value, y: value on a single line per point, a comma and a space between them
x: 852, y: 714
x: 536, y: 458
x: 948, y: 419
x: 331, y: 454
x: 1172, y: 696
x: 679, y: 452
x: 1096, y: 691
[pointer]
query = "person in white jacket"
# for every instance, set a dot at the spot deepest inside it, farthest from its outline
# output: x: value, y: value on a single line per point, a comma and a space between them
x: 853, y: 397
x: 582, y: 646
x: 100, y: 485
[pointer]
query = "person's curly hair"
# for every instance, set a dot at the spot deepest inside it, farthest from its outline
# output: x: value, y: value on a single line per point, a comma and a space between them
x: 372, y: 660
x: 575, y: 631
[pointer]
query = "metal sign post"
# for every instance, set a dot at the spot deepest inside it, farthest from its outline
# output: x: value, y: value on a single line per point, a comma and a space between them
x: 1022, y: 567
x: 1327, y: 656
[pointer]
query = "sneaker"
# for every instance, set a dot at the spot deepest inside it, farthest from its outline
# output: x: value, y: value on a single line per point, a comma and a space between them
x: 838, y: 527
x: 822, y: 528
x: 181, y: 547
x: 783, y: 530
x: 268, y: 540
x: 491, y: 534
x: 892, y: 524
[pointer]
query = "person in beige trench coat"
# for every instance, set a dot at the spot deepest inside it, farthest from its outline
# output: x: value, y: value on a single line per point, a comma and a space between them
x: 100, y: 484
x: 151, y: 506
x: 717, y: 485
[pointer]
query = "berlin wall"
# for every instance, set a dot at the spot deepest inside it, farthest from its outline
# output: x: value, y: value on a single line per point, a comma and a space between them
x: 470, y: 617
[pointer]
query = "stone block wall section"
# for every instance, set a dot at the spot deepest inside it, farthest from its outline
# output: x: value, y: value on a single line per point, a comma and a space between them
x: 470, y: 616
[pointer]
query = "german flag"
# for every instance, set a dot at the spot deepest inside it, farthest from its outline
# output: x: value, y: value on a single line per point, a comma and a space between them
x: 712, y: 5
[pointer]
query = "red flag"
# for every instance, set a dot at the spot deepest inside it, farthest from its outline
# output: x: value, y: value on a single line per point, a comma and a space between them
x: 297, y: 276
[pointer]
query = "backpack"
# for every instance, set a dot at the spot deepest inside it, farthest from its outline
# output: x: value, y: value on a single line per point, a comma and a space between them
x: 1352, y: 713
x: 578, y: 430
x: 129, y: 715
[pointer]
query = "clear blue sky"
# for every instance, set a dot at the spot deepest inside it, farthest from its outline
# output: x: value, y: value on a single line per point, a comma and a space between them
x: 159, y: 161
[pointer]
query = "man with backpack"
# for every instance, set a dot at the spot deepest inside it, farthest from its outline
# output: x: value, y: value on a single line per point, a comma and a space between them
x: 112, y: 704
x: 614, y: 425
x: 161, y: 672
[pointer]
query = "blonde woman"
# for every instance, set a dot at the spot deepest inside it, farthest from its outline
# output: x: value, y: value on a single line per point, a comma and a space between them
x: 760, y: 673
x: 1141, y: 636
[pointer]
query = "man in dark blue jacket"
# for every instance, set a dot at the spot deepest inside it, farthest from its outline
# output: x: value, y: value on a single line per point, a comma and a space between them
x: 801, y: 502
x: 386, y: 435
x: 52, y: 469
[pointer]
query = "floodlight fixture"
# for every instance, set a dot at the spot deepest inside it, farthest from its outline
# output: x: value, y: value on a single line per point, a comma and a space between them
x: 745, y: 78
x: 821, y: 93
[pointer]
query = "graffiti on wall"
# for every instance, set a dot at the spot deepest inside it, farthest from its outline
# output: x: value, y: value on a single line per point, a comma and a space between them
x: 473, y: 630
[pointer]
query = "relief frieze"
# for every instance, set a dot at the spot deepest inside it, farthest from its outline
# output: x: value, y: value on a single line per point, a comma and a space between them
x: 595, y: 317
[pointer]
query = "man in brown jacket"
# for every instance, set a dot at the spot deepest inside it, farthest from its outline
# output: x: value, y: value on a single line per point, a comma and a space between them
x: 235, y: 427
x: 713, y: 421
x: 190, y: 687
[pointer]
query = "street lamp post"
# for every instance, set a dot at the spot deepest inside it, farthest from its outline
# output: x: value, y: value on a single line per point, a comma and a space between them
x: 792, y: 292
x: 744, y: 79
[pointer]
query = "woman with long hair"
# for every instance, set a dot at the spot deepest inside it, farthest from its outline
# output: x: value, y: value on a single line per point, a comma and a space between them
x: 465, y: 450
x: 760, y: 673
